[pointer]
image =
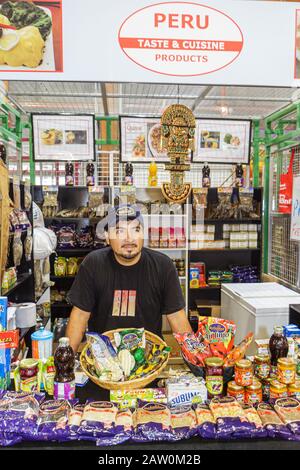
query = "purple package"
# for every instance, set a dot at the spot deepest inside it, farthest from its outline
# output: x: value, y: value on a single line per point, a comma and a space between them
x: 21, y: 416
x: 184, y: 422
x: 153, y: 422
x: 98, y: 420
x: 258, y: 432
x: 94, y: 337
x: 52, y: 423
x: 274, y: 426
x: 206, y: 423
x: 288, y: 409
x: 9, y: 439
x: 123, y: 430
x: 230, y: 418
x: 75, y: 418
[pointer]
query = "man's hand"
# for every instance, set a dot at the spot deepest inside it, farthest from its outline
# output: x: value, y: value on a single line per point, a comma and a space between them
x: 179, y: 323
x: 77, y: 326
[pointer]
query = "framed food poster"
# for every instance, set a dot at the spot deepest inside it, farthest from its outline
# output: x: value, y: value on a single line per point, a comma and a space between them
x: 222, y: 141
x: 60, y: 137
x: 141, y: 140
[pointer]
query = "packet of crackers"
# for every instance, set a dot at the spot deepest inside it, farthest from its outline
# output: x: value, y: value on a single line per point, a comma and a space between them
x: 193, y: 348
x: 218, y: 333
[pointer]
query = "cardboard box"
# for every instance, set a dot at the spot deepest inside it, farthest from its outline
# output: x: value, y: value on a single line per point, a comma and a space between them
x: 175, y: 355
x: 208, y: 309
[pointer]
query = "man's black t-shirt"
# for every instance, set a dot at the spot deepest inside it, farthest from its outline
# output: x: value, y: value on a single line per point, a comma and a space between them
x: 127, y: 296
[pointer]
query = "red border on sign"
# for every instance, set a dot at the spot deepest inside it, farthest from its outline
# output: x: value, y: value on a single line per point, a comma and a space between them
x: 181, y: 75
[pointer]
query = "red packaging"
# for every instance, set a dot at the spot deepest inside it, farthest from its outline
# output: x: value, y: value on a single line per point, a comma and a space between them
x: 193, y: 348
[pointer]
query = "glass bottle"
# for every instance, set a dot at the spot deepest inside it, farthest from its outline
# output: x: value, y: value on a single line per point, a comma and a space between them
x: 69, y: 174
x: 90, y: 174
x: 239, y: 175
x: 278, y: 345
x: 206, y: 176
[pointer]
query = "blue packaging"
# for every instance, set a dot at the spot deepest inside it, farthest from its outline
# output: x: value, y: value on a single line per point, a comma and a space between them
x: 291, y: 330
x: 3, y: 313
x: 5, y: 356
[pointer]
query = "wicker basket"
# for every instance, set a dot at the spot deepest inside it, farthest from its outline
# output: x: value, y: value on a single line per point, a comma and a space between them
x: 128, y: 384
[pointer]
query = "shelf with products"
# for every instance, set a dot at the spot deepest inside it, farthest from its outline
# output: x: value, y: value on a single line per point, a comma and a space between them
x: 226, y: 233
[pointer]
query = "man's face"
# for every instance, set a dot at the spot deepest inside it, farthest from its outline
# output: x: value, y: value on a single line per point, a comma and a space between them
x: 126, y: 239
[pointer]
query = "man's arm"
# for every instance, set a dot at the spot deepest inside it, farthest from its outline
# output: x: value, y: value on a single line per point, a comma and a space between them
x: 179, y: 323
x: 77, y: 326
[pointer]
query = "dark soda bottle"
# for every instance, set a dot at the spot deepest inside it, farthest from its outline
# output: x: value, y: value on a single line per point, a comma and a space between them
x: 90, y: 174
x: 129, y: 174
x: 64, y: 361
x: 278, y: 345
x: 239, y: 175
x: 206, y: 176
x: 69, y: 174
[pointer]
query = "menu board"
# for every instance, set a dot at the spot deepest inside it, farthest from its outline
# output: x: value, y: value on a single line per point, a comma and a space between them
x: 141, y: 140
x: 222, y: 141
x: 63, y: 137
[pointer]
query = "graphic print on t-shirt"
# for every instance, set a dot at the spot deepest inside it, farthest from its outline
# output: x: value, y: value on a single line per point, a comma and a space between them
x: 124, y: 303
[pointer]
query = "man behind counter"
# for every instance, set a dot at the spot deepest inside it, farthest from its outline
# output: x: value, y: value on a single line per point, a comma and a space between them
x: 125, y: 285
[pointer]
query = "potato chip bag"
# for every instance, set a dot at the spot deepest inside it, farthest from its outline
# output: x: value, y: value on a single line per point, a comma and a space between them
x: 194, y: 350
x: 218, y: 333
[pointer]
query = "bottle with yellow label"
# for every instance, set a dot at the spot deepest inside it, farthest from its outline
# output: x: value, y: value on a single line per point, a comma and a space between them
x: 152, y: 179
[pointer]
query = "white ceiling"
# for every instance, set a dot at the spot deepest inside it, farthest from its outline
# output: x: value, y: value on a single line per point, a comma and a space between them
x: 148, y: 99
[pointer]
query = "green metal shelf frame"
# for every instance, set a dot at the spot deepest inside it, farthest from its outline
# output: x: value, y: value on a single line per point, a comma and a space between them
x: 108, y: 122
x: 275, y: 136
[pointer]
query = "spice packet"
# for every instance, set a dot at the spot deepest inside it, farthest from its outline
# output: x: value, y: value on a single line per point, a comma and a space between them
x: 152, y: 422
x: 206, y: 422
x: 52, y: 423
x: 123, y: 430
x: 230, y: 418
x: 288, y: 409
x: 183, y: 422
x: 274, y: 426
x: 104, y: 358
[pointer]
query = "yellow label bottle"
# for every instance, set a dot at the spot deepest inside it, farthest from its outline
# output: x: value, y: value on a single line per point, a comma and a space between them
x: 152, y: 179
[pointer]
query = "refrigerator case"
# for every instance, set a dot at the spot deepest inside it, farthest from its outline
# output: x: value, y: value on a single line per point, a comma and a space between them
x: 258, y: 313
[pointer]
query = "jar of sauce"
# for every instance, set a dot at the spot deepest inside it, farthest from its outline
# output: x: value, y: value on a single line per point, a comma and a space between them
x: 286, y: 370
x: 243, y: 373
x: 236, y: 391
x: 294, y: 389
x: 29, y: 375
x: 277, y: 390
x: 253, y: 393
x: 214, y: 376
x: 262, y: 366
x: 266, y: 388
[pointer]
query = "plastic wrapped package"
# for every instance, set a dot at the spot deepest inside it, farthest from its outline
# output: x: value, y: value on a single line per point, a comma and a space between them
x: 183, y: 422
x: 288, y: 409
x: 98, y: 420
x: 194, y: 349
x: 152, y: 422
x: 123, y: 430
x: 206, y: 423
x: 52, y: 423
x: 17, y: 248
x: 230, y: 418
x: 274, y: 426
x: 28, y: 245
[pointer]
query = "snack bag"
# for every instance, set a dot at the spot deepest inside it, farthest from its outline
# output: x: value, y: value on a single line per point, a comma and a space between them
x: 206, y: 423
x: 218, y: 333
x: 133, y: 340
x: 238, y: 352
x: 72, y: 266
x: 272, y: 423
x: 98, y: 420
x: 48, y: 371
x: 52, y: 423
x: 60, y: 266
x: 151, y: 365
x: 183, y: 422
x: 251, y: 414
x: 123, y: 430
x: 75, y: 418
x: 104, y: 357
x: 194, y: 350
x: 288, y: 409
x: 152, y: 422
x: 230, y: 418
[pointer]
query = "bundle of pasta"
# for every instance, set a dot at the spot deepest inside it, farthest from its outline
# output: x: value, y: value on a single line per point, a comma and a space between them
x: 104, y: 358
x: 22, y: 47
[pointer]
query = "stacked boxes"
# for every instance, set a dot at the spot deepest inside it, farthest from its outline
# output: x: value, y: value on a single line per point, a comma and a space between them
x: 203, y: 237
x: 240, y: 236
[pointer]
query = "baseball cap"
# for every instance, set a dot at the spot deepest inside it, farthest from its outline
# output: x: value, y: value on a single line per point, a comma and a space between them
x: 122, y: 212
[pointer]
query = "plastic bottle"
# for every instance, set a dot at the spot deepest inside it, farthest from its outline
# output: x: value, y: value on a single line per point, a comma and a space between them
x: 90, y: 174
x: 239, y: 175
x: 69, y: 174
x: 152, y: 178
x: 278, y: 345
x: 206, y: 176
x: 129, y: 174
x: 64, y: 361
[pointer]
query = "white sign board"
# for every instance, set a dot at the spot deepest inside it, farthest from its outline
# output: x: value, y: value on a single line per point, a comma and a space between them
x: 295, y: 218
x: 227, y: 42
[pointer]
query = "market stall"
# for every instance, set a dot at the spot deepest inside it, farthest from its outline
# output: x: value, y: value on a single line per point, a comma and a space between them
x: 196, y: 343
